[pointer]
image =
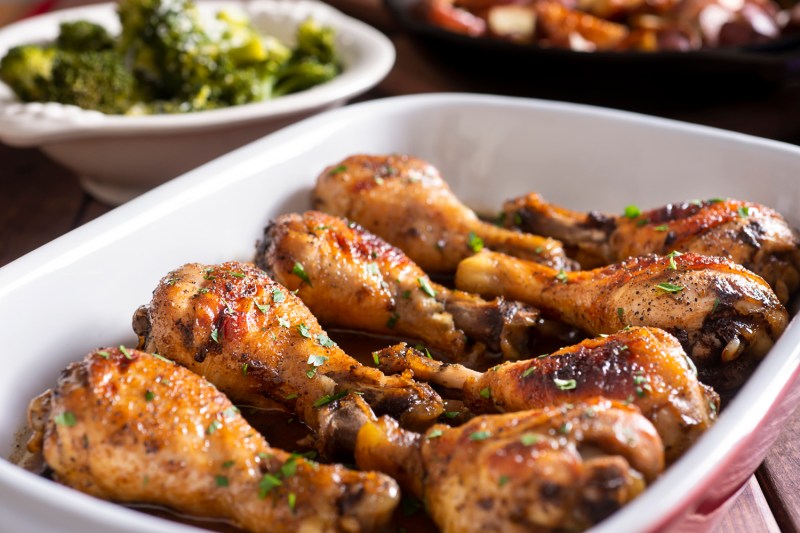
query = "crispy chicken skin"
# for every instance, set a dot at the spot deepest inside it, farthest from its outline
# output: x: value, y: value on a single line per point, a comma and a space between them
x: 749, y: 234
x: 405, y: 201
x: 126, y: 426
x: 644, y: 366
x: 350, y: 278
x: 561, y: 468
x: 259, y: 344
x: 726, y: 317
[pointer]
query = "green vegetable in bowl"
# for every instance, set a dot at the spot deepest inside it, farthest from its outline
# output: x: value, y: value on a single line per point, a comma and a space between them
x: 83, y: 35
x: 169, y: 59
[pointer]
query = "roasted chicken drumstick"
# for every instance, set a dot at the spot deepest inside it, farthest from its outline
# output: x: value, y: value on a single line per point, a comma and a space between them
x: 405, y: 201
x: 749, y: 234
x: 350, y: 278
x: 128, y: 426
x: 562, y: 468
x: 643, y: 366
x: 725, y: 316
x: 260, y: 345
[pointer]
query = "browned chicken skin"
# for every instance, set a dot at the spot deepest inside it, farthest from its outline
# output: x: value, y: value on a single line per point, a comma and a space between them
x: 749, y: 234
x: 127, y: 426
x: 259, y: 344
x: 350, y: 278
x: 562, y: 468
x: 643, y: 366
x: 405, y: 201
x: 726, y: 317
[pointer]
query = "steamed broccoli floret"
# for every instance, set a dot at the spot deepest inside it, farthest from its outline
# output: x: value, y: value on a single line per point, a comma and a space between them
x: 168, y: 47
x: 92, y: 80
x: 83, y: 36
x: 303, y: 74
x: 27, y: 69
x: 316, y: 41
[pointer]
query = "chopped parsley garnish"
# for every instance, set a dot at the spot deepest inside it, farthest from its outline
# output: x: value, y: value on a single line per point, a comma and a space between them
x: 503, y: 480
x: 565, y: 384
x: 215, y: 335
x: 311, y: 373
x: 222, y: 481
x: 300, y: 272
x: 662, y: 227
x: 291, y: 396
x: 278, y: 296
x: 528, y: 371
x: 474, y: 242
x: 213, y: 426
x: 716, y: 200
x: 325, y: 400
x: 377, y: 358
x: 425, y: 287
x: 263, y: 308
x: 480, y: 435
x: 561, y: 276
x: 267, y: 483
x: 529, y: 439
x: 302, y: 329
x: 325, y: 341
x: 202, y: 291
x: 716, y: 304
x: 486, y: 393
x: 337, y: 170
x: 621, y: 314
x: 672, y: 255
x: 292, y: 499
x: 237, y: 275
x: 392, y: 321
x: 244, y: 368
x: 451, y: 414
x: 230, y: 412
x: 162, y: 358
x: 316, y: 360
x: 228, y: 464
x: 631, y: 211
x: 148, y: 396
x: 67, y: 418
x: 669, y: 287
x: 104, y: 354
x: 372, y: 269
x: 424, y: 350
x: 289, y: 468
x: 643, y: 222
x: 743, y: 211
x: 434, y: 434
x: 406, y: 294
x: 125, y: 352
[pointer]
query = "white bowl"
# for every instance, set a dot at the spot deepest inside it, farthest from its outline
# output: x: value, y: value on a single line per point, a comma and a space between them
x: 80, y: 291
x: 119, y: 157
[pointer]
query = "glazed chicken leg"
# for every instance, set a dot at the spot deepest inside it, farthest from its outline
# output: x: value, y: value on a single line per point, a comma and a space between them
x: 749, y: 234
x: 643, y: 366
x: 353, y: 279
x: 260, y: 345
x: 128, y: 426
x: 725, y: 316
x: 551, y: 469
x: 405, y: 201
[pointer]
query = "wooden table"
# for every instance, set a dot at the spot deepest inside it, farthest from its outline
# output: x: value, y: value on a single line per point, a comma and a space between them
x: 42, y: 201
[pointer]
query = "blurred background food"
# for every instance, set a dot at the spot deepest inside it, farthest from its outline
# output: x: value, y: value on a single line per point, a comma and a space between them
x: 645, y: 25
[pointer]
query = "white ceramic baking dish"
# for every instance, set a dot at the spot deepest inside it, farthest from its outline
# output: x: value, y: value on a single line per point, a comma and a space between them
x: 80, y: 291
